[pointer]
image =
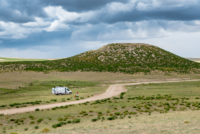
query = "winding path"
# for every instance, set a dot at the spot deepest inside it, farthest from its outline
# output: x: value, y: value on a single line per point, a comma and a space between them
x: 113, y: 90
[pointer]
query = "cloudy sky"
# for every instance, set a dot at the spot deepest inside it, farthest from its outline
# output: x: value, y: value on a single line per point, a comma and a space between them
x: 63, y: 28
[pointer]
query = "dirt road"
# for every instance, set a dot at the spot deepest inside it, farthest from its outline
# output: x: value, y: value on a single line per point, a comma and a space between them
x: 113, y: 90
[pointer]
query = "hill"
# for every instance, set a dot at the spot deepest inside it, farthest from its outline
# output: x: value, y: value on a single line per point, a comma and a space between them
x: 120, y: 57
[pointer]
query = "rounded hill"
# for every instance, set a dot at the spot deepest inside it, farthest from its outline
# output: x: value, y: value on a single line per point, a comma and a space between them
x: 119, y: 57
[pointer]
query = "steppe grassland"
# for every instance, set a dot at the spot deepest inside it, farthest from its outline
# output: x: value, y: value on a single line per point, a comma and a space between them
x: 177, y: 121
x: 35, y: 86
x: 12, y: 80
x: 4, y: 59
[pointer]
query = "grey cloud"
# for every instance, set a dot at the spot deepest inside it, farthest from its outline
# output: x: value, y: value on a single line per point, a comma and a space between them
x: 20, y: 11
x: 80, y: 5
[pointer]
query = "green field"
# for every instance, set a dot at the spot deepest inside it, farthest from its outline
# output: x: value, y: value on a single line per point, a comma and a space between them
x: 39, y: 92
x: 4, y: 59
x: 140, y: 107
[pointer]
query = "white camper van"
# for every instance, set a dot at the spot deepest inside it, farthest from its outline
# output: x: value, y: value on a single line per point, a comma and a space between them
x: 61, y: 90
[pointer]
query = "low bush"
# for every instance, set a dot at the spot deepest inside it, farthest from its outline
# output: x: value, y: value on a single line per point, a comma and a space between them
x: 26, y: 129
x: 36, y: 127
x: 95, y: 119
x: 54, y: 100
x: 59, y: 124
x: 76, y: 120
x: 39, y: 120
x: 31, y: 117
x: 32, y: 122
x: 111, y: 118
x: 69, y: 122
x: 12, y: 119
x: 37, y: 109
x: 117, y: 113
x: 60, y: 119
x: 45, y: 130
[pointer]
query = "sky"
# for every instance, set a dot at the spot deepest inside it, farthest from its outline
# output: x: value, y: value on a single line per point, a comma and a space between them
x: 64, y: 28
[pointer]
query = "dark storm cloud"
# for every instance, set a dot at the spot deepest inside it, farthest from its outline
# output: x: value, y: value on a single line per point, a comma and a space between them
x: 20, y: 11
x: 80, y: 5
x: 28, y: 10
x: 176, y: 14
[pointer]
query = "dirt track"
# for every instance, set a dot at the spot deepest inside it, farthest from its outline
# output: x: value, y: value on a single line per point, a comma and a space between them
x: 113, y: 90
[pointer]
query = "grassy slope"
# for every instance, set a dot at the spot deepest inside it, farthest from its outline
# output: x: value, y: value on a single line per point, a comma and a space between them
x: 125, y: 58
x: 142, y: 122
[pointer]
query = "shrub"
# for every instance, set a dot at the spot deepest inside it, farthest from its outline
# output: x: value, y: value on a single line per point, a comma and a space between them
x: 117, y: 113
x: 54, y: 100
x: 59, y: 124
x: 69, y: 122
x: 186, y: 122
x: 12, y: 119
x: 39, y: 120
x: 129, y: 117
x: 94, y: 120
x: 32, y: 122
x: 36, y: 127
x: 111, y: 118
x: 31, y: 117
x: 26, y: 129
x: 37, y: 109
x: 60, y: 119
x: 76, y: 120
x: 134, y: 106
x: 54, y: 108
x: 45, y: 130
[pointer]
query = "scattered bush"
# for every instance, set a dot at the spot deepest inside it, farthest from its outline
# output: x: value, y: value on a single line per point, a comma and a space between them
x: 39, y: 120
x: 76, y: 120
x: 32, y: 122
x: 186, y: 121
x: 95, y: 119
x: 26, y: 129
x: 45, y: 130
x: 36, y: 127
x: 37, y: 109
x: 111, y: 118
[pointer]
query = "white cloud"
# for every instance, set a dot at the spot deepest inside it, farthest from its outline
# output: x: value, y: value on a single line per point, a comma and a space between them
x: 40, y: 22
x: 116, y: 7
x: 15, y: 31
x: 57, y: 26
x: 62, y: 15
